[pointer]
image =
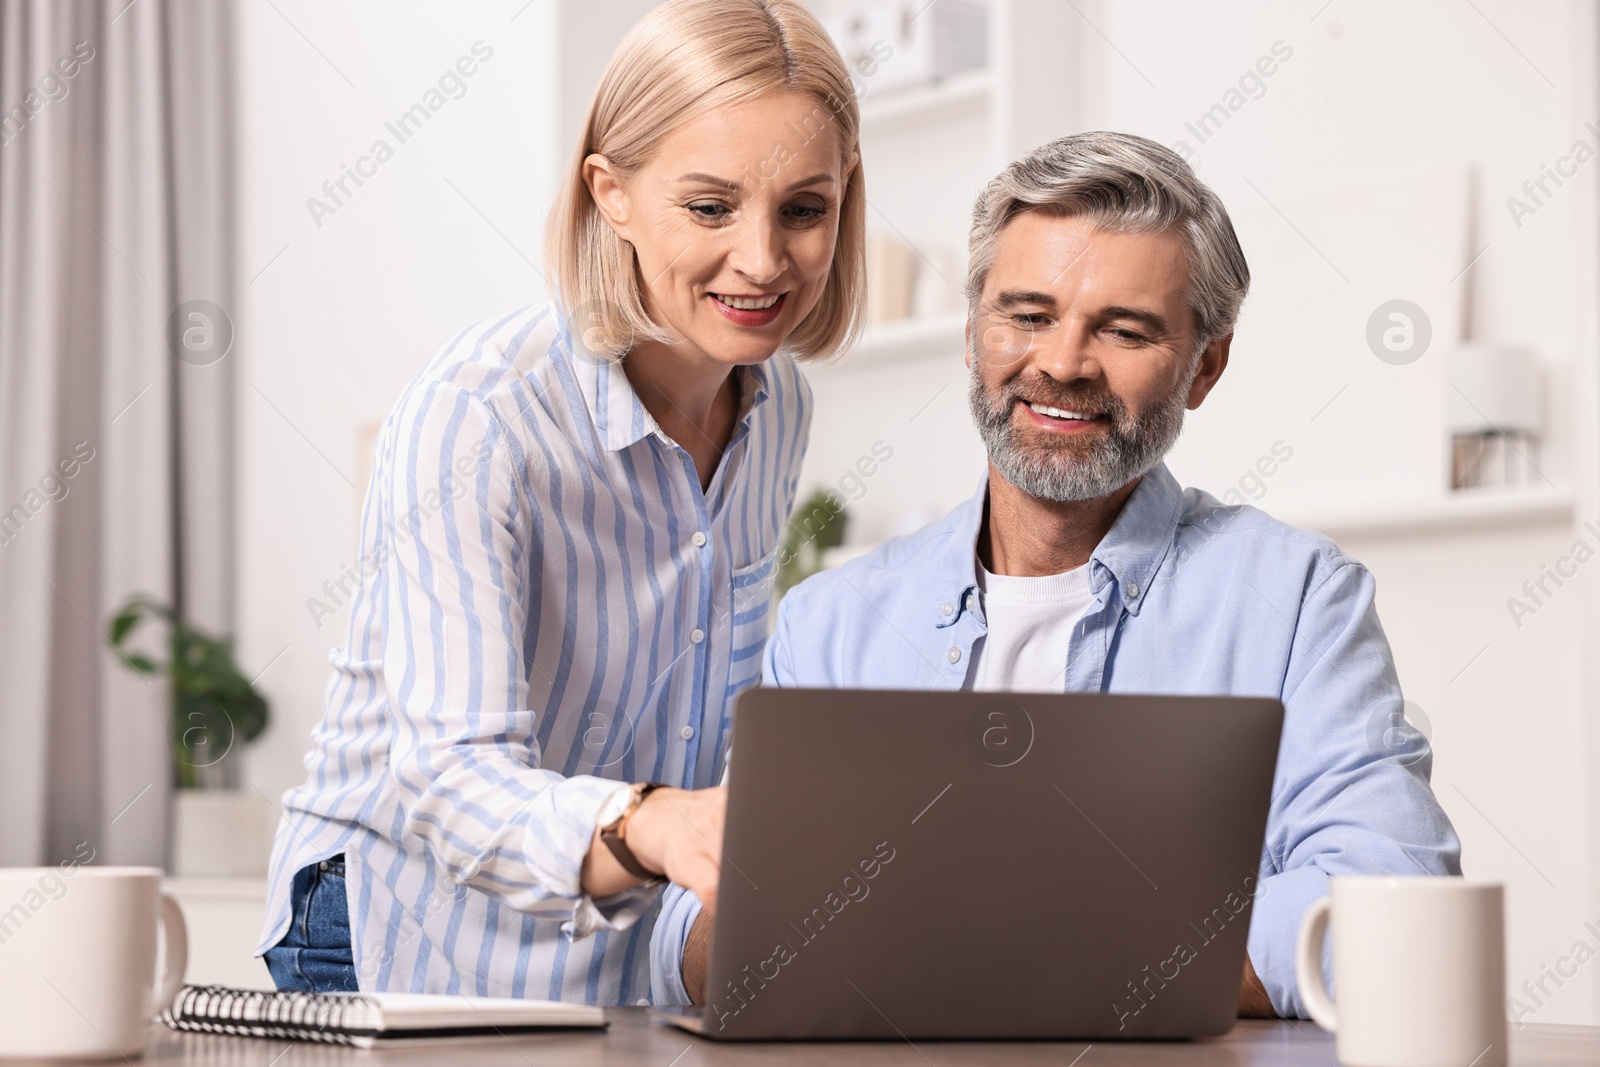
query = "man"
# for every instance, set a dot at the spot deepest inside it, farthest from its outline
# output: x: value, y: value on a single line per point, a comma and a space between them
x: 1104, y: 284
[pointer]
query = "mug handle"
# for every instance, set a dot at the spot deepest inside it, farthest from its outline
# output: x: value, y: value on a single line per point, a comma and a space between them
x: 174, y: 952
x: 1308, y: 964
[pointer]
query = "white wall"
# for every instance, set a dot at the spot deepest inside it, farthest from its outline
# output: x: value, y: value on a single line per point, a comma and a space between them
x: 334, y: 320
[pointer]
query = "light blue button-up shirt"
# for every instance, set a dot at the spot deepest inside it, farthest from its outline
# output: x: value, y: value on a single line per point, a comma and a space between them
x: 1191, y: 597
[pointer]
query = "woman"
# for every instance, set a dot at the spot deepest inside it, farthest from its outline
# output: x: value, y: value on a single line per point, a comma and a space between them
x: 569, y: 539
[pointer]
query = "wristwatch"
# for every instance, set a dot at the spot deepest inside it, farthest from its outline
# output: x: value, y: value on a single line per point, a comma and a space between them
x: 613, y: 820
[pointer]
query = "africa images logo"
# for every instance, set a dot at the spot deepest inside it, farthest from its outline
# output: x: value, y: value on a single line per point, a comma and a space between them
x: 852, y: 889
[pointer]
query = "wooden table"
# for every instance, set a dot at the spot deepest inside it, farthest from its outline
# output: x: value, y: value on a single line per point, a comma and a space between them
x: 635, y: 1039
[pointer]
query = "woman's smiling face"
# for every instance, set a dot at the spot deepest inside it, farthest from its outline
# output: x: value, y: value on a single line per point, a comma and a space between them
x: 734, y: 221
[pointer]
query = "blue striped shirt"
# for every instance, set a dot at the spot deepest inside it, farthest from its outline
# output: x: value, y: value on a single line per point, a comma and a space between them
x: 550, y: 606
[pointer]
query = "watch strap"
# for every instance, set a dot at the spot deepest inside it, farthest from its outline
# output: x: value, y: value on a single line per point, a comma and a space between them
x: 614, y: 834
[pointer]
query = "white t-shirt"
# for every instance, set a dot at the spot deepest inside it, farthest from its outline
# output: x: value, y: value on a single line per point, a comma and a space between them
x: 1030, y: 629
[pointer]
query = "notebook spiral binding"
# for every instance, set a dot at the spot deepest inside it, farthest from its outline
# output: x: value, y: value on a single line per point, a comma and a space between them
x: 290, y: 1015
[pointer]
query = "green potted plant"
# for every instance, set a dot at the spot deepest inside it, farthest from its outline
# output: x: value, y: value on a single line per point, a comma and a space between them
x: 215, y: 711
x: 817, y: 525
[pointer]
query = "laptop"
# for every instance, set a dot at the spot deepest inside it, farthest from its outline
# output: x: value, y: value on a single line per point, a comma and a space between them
x: 978, y: 865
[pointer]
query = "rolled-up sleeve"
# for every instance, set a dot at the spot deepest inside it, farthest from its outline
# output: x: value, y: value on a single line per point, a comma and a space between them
x: 1351, y: 794
x: 465, y: 759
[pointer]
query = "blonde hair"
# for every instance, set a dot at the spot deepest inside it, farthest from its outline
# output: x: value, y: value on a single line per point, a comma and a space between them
x: 684, y: 58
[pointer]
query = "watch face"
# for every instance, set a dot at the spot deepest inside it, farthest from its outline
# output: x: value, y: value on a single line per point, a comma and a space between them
x: 615, y: 806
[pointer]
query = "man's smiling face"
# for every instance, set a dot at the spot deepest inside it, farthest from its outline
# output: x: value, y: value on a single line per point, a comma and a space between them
x: 1084, y: 355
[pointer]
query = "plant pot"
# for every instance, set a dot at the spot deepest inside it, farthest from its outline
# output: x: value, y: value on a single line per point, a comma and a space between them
x: 220, y: 833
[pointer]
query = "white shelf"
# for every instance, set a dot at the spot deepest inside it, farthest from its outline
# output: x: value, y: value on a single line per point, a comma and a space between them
x: 907, y: 339
x: 1463, y: 512
x: 963, y: 92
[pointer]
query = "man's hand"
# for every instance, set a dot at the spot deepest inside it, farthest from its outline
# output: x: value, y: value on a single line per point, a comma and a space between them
x: 697, y: 957
x: 675, y: 831
x: 1253, y: 1000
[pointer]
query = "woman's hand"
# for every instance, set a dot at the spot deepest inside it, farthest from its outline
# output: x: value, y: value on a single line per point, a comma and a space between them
x: 675, y: 831
x: 679, y: 832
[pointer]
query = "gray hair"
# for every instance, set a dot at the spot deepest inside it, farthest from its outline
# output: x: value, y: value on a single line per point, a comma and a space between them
x: 1127, y: 184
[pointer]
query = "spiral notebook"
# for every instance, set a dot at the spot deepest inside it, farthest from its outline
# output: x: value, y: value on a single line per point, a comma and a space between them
x: 370, y: 1020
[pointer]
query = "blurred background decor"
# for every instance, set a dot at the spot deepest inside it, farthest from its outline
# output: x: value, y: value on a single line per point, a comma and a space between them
x: 217, y: 830
x: 1493, y: 407
x: 1493, y: 390
x: 892, y: 45
x: 214, y: 707
x: 818, y: 524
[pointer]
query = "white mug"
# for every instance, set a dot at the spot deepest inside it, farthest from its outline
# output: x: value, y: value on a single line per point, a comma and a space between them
x: 78, y: 959
x: 1419, y: 963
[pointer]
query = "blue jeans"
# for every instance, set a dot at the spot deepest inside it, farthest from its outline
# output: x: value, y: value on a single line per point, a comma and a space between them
x: 314, y: 955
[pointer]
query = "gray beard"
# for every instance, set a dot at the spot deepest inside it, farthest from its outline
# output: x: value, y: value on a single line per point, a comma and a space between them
x: 1073, y: 470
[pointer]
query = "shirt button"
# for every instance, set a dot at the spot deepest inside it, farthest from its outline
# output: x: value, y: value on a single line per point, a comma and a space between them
x: 686, y: 732
x: 948, y: 608
x: 953, y: 655
x: 970, y: 599
x: 1133, y: 590
x: 697, y: 635
x: 643, y: 1002
x: 699, y: 539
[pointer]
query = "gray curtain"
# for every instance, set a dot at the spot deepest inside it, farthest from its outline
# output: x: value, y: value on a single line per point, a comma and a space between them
x: 115, y: 453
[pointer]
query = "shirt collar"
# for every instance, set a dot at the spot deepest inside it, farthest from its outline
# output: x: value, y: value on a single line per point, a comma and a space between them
x: 1128, y: 555
x: 619, y: 415
x: 1139, y: 540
